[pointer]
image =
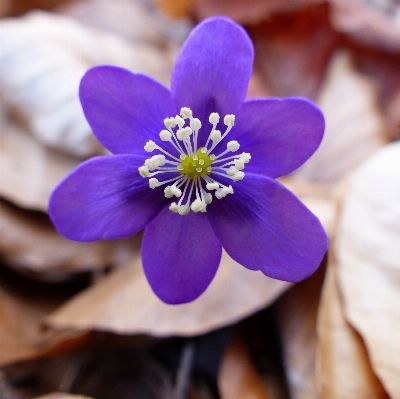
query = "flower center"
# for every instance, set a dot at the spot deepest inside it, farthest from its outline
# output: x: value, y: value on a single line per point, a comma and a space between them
x: 195, y: 170
x: 196, y: 165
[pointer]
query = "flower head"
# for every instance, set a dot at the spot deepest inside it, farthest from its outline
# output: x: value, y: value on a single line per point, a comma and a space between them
x: 195, y: 167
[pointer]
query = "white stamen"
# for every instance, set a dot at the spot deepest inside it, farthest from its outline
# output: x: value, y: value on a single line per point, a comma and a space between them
x: 238, y: 176
x: 186, y: 113
x: 214, y: 118
x: 150, y: 146
x: 165, y: 135
x: 190, y: 190
x: 153, y: 182
x: 233, y: 146
x: 229, y: 120
x: 169, y: 123
x: 215, y: 136
x: 144, y: 171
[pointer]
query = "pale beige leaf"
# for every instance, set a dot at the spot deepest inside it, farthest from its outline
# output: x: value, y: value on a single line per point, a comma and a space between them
x: 61, y: 395
x: 59, y: 51
x: 136, y: 20
x: 29, y: 170
x: 238, y: 377
x: 368, y: 256
x: 354, y: 124
x: 375, y: 22
x: 343, y: 367
x: 124, y: 303
x: 29, y: 242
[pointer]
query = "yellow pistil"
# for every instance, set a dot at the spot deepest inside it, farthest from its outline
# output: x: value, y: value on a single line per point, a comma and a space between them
x: 197, y: 164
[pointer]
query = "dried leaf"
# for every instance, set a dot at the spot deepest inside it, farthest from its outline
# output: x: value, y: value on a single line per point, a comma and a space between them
x: 238, y: 377
x: 62, y: 396
x: 246, y: 11
x: 29, y: 242
x: 344, y: 370
x: 29, y: 170
x: 354, y: 124
x: 368, y: 257
x: 297, y: 312
x: 21, y: 334
x: 293, y: 61
x: 46, y: 93
x: 373, y: 22
x: 175, y: 8
x: 124, y: 303
x: 136, y: 21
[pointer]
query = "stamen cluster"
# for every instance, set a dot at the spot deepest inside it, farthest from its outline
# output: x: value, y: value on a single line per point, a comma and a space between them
x: 196, y: 169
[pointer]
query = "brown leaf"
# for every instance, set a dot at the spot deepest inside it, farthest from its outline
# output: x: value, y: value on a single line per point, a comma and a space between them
x: 344, y: 370
x: 238, y: 377
x: 293, y: 61
x: 29, y: 242
x: 354, y: 124
x: 384, y: 71
x: 368, y: 261
x: 124, y: 303
x: 374, y: 23
x: 246, y: 11
x: 21, y: 334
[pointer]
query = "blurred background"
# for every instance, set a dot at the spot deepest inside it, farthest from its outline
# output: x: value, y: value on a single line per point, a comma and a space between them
x: 80, y: 321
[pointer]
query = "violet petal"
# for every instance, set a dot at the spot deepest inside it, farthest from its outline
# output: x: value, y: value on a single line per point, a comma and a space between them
x: 213, y: 69
x: 279, y: 134
x: 104, y: 197
x: 124, y: 109
x: 263, y: 226
x: 181, y: 255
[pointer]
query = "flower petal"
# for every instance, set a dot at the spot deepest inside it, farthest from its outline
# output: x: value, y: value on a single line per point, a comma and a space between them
x: 280, y: 134
x: 124, y: 109
x: 181, y: 255
x: 213, y: 69
x: 263, y: 226
x: 105, y: 197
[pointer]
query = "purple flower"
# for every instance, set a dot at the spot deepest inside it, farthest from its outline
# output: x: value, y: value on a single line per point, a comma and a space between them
x: 195, y: 193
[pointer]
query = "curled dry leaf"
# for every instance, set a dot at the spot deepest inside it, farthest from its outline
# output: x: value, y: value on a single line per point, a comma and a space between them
x: 124, y: 303
x: 297, y: 315
x: 62, y: 395
x: 293, y: 61
x: 373, y: 22
x: 354, y: 124
x: 29, y: 170
x: 343, y: 365
x: 246, y: 11
x: 238, y: 377
x: 58, y: 52
x: 368, y: 257
x: 29, y: 242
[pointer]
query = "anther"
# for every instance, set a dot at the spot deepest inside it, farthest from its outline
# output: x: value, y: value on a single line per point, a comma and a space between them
x: 165, y: 135
x: 143, y: 171
x: 150, y: 146
x: 195, y: 124
x: 186, y: 113
x: 229, y: 120
x: 238, y: 176
x: 212, y: 186
x: 153, y: 182
x: 169, y: 123
x: 215, y: 136
x: 214, y: 118
x: 233, y: 146
x: 245, y: 156
x: 239, y: 164
x: 179, y: 121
